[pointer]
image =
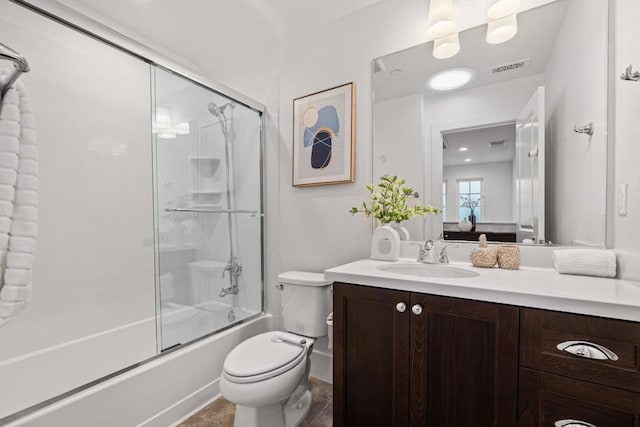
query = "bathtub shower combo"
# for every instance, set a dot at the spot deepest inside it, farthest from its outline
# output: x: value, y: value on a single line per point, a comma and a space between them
x: 208, y: 210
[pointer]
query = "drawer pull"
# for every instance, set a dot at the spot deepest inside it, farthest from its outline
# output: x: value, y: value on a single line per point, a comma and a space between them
x: 572, y: 423
x: 588, y: 350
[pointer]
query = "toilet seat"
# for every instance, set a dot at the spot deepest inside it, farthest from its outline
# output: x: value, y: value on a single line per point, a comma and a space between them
x: 265, y: 356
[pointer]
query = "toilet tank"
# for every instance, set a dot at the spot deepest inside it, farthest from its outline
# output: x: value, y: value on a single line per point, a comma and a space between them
x: 306, y: 302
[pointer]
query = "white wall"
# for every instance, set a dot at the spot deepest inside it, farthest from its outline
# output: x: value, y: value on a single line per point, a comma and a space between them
x: 399, y: 147
x: 626, y: 232
x: 497, y: 185
x: 93, y: 290
x: 574, y: 162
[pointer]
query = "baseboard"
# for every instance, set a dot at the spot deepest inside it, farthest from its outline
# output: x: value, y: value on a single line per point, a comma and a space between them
x: 322, y: 366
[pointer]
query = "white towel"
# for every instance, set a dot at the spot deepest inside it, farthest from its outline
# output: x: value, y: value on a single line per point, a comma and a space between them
x: 585, y: 262
x: 18, y: 200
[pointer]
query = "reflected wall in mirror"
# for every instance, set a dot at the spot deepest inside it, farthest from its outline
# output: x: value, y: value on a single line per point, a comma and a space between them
x: 503, y: 145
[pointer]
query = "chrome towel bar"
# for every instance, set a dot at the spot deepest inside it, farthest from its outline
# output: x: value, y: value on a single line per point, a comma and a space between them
x: 216, y: 211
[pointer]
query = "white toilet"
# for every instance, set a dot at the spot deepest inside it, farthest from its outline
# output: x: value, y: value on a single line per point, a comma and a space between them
x: 267, y: 376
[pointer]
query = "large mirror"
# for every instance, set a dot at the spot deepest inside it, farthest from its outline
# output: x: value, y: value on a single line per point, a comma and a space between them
x: 509, y: 139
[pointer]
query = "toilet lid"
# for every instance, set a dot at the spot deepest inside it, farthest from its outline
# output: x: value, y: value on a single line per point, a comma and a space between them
x: 264, y: 354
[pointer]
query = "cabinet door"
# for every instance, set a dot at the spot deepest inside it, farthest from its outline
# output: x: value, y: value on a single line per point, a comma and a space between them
x: 556, y: 401
x: 370, y: 356
x: 464, y: 362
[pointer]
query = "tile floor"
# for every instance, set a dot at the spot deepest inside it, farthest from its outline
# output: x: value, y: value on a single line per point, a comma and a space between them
x: 220, y: 412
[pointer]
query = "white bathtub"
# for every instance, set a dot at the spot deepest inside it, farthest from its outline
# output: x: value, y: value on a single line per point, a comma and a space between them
x: 161, y: 392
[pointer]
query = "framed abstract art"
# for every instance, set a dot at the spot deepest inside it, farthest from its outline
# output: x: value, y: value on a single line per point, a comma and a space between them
x: 323, y: 137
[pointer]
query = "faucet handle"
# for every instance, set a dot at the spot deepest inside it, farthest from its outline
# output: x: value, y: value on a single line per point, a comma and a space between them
x: 444, y: 257
x: 422, y: 253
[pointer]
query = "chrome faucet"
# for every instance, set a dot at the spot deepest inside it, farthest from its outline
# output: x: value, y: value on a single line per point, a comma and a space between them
x: 428, y: 254
x: 234, y: 267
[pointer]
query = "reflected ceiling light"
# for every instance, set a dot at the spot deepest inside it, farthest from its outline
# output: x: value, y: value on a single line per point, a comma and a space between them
x: 463, y: 149
x: 451, y: 79
x: 166, y: 134
x: 468, y: 160
x: 502, y: 29
x: 440, y: 21
x: 163, y: 119
x: 500, y: 8
x: 446, y: 47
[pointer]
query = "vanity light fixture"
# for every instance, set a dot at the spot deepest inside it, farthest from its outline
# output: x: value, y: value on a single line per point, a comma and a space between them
x: 463, y: 149
x: 182, y: 128
x: 502, y: 29
x: 440, y: 21
x: 451, y: 79
x: 501, y: 8
x: 446, y: 47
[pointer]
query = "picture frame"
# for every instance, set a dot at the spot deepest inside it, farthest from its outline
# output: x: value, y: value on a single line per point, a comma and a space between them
x: 324, y: 137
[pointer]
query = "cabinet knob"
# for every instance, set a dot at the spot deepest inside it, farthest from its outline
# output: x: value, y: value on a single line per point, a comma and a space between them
x: 417, y: 309
x: 572, y: 423
x: 401, y: 307
x: 588, y: 350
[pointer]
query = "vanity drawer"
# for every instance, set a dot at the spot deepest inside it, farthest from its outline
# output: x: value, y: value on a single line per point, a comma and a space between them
x: 605, y: 351
x: 548, y: 400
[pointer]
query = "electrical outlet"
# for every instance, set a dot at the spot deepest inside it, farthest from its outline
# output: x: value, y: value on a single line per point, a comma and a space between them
x: 621, y: 199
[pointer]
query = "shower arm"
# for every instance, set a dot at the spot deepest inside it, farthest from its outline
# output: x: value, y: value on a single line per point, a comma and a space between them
x: 20, y: 63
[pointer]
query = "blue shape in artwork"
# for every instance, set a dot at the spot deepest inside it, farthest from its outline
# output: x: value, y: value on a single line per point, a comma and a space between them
x: 327, y: 118
x: 321, y: 150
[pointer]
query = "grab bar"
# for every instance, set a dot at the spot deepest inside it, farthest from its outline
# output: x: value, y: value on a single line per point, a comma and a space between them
x: 245, y: 211
x: 20, y: 63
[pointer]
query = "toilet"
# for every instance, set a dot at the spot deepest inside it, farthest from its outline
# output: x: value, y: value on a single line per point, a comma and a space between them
x: 267, y: 376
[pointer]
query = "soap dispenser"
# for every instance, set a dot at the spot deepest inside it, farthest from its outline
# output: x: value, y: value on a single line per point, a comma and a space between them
x: 484, y: 256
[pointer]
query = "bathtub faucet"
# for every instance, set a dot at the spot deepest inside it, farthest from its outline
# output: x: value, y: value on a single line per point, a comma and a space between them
x: 234, y: 267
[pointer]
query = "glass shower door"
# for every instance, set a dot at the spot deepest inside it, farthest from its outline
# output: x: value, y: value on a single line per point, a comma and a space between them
x: 207, y: 170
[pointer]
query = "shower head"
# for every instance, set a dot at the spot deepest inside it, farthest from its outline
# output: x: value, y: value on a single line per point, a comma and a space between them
x: 214, y: 109
x: 217, y: 111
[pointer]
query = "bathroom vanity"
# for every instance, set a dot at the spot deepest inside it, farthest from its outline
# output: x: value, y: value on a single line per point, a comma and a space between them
x: 504, y: 348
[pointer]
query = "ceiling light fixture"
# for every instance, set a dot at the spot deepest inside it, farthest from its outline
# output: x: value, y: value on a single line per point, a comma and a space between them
x: 501, y: 8
x: 446, y: 47
x: 502, y: 29
x: 440, y: 21
x: 463, y: 149
x: 451, y: 79
x: 468, y: 160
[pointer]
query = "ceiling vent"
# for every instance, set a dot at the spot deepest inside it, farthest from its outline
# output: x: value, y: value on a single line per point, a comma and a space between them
x: 496, y: 144
x: 517, y: 65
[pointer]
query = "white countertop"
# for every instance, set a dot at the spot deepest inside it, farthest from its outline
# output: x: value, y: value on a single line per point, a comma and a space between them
x: 528, y: 287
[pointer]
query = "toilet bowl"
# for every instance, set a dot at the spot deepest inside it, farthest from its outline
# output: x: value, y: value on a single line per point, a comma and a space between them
x: 267, y: 376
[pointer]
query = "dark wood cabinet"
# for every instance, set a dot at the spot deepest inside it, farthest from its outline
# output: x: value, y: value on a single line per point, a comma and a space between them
x: 371, y: 357
x: 412, y: 359
x: 552, y: 400
x: 473, y: 236
x: 578, y: 370
x: 430, y: 361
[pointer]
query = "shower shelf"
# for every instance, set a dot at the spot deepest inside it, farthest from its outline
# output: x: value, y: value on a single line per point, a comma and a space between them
x: 205, y: 167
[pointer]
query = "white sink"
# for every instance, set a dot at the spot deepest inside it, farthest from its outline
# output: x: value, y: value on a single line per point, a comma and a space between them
x: 428, y: 270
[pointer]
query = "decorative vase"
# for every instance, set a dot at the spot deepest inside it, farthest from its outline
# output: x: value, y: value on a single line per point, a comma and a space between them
x: 402, y: 231
x: 472, y: 219
x: 465, y: 225
x: 385, y: 243
x: 509, y: 257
